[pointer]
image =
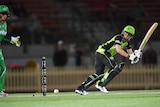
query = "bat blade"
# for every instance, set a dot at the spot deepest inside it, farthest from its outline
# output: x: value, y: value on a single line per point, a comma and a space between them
x: 148, y: 35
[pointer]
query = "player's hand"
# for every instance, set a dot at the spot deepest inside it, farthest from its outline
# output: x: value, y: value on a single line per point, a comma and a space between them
x: 16, y: 41
x: 133, y: 58
x: 135, y: 61
x: 138, y: 53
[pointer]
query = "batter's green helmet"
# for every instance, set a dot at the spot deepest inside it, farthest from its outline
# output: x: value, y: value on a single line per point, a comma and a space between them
x: 4, y: 8
x: 129, y: 29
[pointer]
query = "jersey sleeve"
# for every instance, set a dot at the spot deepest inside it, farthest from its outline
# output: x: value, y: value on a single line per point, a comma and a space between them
x: 6, y: 39
x: 118, y: 40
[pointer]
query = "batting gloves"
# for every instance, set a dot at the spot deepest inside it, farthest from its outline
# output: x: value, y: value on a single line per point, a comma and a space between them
x: 138, y: 53
x: 133, y: 58
x: 16, y: 41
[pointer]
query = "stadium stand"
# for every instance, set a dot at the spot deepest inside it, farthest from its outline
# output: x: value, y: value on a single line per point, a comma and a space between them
x: 74, y: 22
x: 53, y: 15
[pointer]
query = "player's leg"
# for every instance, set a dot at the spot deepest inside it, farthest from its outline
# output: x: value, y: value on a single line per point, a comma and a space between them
x: 111, y: 74
x: 2, y: 74
x: 99, y: 68
x: 90, y: 81
x: 110, y: 63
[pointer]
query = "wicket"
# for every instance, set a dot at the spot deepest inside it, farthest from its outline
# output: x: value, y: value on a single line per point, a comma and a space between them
x: 44, y: 81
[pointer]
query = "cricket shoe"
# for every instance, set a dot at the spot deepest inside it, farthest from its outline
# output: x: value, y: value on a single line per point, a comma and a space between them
x: 102, y: 89
x: 3, y: 94
x: 81, y: 92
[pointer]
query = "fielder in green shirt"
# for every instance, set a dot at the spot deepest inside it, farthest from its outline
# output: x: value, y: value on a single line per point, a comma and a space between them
x: 104, y: 56
x: 4, y: 14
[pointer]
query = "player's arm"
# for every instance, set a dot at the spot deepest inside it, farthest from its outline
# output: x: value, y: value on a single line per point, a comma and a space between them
x: 137, y: 53
x: 121, y: 51
x: 129, y: 51
x: 6, y: 39
x: 13, y: 40
x: 118, y: 47
x: 129, y: 54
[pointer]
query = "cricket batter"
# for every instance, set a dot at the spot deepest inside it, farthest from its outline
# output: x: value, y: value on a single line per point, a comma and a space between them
x: 4, y: 14
x: 104, y: 56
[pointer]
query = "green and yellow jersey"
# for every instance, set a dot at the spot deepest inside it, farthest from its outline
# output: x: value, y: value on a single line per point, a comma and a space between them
x: 109, y: 46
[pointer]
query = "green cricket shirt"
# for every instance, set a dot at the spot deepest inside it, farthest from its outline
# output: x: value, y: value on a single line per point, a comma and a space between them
x: 109, y: 46
x: 3, y: 31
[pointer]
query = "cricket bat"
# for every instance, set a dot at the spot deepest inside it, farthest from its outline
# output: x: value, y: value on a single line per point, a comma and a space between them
x: 148, y: 35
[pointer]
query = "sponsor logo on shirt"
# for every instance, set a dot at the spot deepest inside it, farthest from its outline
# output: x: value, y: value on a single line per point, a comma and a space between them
x: 3, y: 32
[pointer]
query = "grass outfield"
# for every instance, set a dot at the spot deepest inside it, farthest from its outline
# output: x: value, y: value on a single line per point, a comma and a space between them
x: 131, y: 98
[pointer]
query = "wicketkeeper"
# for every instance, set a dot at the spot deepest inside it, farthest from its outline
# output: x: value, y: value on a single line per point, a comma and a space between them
x: 104, y: 56
x: 4, y: 14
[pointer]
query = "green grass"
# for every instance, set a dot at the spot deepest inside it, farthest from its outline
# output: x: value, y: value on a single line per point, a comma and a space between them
x: 131, y: 98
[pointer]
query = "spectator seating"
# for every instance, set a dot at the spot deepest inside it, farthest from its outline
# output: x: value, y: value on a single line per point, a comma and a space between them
x: 43, y: 10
